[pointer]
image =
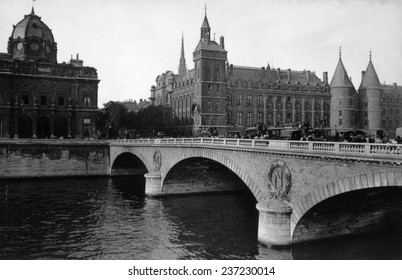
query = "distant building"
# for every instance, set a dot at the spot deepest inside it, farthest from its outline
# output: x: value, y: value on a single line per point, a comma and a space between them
x: 232, y: 98
x: 134, y: 106
x: 40, y: 97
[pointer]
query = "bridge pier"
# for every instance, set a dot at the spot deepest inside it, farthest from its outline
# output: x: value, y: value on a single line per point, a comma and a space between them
x: 274, y: 222
x: 153, y: 183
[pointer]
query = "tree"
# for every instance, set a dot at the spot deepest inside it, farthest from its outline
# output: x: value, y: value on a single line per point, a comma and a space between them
x: 111, y: 119
x: 153, y: 119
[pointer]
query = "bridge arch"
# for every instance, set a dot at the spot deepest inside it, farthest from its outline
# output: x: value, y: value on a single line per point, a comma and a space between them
x: 128, y: 163
x: 348, y: 184
x: 224, y: 161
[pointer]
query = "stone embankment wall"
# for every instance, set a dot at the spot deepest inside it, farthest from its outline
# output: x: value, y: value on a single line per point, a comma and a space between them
x: 53, y: 158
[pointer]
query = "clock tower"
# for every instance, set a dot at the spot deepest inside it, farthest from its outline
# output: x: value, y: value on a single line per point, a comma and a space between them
x: 210, y: 81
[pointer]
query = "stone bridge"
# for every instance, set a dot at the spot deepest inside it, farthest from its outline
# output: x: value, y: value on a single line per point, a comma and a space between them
x: 303, y: 190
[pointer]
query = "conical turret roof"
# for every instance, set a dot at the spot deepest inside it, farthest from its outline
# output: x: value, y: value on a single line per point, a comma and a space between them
x: 205, y: 23
x: 370, y: 78
x: 341, y: 78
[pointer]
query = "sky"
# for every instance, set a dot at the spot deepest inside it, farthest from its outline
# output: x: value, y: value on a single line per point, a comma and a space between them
x: 131, y: 42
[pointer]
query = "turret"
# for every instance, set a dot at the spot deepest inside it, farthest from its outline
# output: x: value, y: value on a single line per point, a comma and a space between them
x: 370, y: 100
x: 343, y: 101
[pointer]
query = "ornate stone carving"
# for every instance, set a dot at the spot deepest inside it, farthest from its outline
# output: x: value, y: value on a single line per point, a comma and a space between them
x: 157, y: 160
x: 280, y: 180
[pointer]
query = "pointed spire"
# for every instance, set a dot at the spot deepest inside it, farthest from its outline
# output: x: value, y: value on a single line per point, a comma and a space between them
x: 205, y: 28
x: 370, y: 78
x: 340, y: 78
x: 182, y: 65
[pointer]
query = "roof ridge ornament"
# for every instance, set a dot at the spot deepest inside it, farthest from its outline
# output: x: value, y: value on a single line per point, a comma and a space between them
x: 340, y: 52
x: 33, y: 8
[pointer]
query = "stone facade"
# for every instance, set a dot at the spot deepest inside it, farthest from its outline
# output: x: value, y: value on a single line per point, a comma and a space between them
x: 38, y: 158
x: 231, y: 98
x: 40, y: 98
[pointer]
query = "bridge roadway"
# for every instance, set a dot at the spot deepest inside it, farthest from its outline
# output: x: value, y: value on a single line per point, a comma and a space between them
x: 288, y: 179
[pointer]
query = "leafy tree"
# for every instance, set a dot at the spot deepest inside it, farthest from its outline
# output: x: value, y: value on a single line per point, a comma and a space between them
x: 114, y: 120
x: 111, y: 119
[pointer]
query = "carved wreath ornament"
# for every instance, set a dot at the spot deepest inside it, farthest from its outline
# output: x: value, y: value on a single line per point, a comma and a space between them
x: 280, y: 180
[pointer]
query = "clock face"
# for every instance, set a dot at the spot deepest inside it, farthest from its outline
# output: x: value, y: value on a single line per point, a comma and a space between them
x: 19, y: 46
x: 34, y: 46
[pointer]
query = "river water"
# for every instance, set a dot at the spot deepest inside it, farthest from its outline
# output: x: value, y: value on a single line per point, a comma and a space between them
x: 110, y: 218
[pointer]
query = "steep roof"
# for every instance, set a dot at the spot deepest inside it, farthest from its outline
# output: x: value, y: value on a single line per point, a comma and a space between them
x: 340, y: 77
x: 370, y: 78
x: 205, y: 23
x: 259, y: 74
x: 209, y: 46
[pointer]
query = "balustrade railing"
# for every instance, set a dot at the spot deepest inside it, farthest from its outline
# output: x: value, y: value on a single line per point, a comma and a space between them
x: 339, y: 148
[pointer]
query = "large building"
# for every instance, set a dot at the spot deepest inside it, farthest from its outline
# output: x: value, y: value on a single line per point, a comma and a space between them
x: 40, y: 97
x: 374, y: 108
x: 231, y: 98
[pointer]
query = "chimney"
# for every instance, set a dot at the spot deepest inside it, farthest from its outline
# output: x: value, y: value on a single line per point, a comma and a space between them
x: 325, y: 78
x: 278, y: 72
x: 288, y: 72
x: 308, y: 76
x: 222, y: 42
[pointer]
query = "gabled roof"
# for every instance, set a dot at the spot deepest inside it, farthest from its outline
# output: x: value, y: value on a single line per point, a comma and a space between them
x: 340, y: 77
x: 370, y: 78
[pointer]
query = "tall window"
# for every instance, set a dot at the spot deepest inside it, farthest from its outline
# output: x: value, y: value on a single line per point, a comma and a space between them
x: 249, y: 118
x: 229, y: 99
x: 239, y: 100
x: 259, y: 100
x: 278, y: 119
x: 269, y: 121
x: 87, y: 101
x: 288, y: 117
x: 259, y: 117
x: 239, y: 118
x: 249, y: 99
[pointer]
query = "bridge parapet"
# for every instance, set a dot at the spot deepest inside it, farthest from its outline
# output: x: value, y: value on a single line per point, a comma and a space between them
x: 361, y: 151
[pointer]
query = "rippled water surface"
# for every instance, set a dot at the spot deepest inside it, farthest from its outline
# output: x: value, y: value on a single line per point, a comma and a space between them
x: 107, y: 218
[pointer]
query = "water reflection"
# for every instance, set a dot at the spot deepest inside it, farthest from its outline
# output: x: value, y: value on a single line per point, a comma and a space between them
x: 102, y: 218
